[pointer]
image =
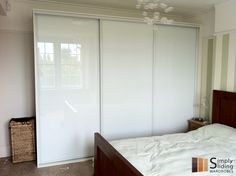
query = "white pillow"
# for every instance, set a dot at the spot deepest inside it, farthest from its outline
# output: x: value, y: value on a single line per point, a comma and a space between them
x: 217, y: 130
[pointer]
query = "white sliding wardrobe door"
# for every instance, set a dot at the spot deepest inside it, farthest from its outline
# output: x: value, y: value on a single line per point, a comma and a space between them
x: 67, y: 87
x: 127, y: 52
x: 174, y: 78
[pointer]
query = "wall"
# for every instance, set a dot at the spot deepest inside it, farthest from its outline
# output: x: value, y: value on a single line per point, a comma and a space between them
x: 207, y: 21
x: 225, y: 46
x: 225, y: 16
x: 16, y: 70
x: 218, y: 53
x: 224, y: 61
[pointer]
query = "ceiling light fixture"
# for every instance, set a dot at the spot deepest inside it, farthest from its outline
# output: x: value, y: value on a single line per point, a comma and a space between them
x: 154, y: 11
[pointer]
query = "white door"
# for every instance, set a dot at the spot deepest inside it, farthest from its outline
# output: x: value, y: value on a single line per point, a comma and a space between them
x: 67, y: 87
x: 174, y: 78
x: 127, y: 52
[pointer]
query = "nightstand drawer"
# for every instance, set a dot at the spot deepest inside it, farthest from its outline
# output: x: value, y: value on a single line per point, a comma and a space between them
x: 193, y: 125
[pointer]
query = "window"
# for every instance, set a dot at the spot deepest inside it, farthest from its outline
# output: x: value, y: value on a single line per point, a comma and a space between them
x: 71, y: 74
x: 47, y: 65
x: 67, y: 63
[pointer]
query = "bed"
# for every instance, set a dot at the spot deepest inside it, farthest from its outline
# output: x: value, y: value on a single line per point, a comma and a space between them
x: 112, y: 160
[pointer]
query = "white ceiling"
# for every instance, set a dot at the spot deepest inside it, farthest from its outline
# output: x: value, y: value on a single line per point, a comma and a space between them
x: 182, y: 7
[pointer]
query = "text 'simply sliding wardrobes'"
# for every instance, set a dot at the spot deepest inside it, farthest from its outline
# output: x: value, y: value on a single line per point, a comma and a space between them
x: 123, y: 79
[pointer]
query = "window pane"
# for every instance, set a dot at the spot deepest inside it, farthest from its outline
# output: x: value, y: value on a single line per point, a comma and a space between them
x: 46, y: 58
x: 41, y: 57
x: 71, y: 81
x: 64, y: 46
x: 41, y: 47
x: 78, y: 58
x: 49, y: 47
x: 72, y: 48
x: 69, y: 55
x: 46, y: 53
x: 78, y: 48
x: 47, y: 76
x: 71, y: 75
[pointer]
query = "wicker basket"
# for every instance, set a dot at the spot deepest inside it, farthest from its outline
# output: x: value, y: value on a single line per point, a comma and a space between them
x: 22, y: 132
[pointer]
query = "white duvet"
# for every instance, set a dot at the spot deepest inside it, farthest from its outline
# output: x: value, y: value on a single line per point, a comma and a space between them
x: 171, y: 155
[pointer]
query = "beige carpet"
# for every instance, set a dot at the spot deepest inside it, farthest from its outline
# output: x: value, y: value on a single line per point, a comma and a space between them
x: 30, y: 169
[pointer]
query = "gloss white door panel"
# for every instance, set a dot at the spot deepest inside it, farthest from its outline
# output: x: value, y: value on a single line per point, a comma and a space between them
x: 67, y: 87
x: 127, y: 52
x: 174, y: 78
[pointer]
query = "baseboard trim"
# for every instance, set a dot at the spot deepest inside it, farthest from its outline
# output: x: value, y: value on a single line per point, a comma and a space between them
x: 64, y: 162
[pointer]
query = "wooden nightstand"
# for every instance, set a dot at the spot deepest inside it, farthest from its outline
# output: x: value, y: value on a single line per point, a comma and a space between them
x: 193, y: 124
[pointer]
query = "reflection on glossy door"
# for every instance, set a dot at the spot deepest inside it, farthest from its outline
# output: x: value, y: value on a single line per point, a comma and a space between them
x: 67, y: 77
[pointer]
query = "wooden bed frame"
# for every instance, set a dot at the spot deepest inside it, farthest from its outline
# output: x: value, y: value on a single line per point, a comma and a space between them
x: 109, y: 162
x: 224, y: 108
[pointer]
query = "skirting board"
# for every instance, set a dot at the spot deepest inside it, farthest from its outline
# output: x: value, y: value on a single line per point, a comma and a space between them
x: 64, y: 162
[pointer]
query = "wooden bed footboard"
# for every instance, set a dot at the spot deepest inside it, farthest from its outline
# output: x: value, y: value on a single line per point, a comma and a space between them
x: 109, y: 162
